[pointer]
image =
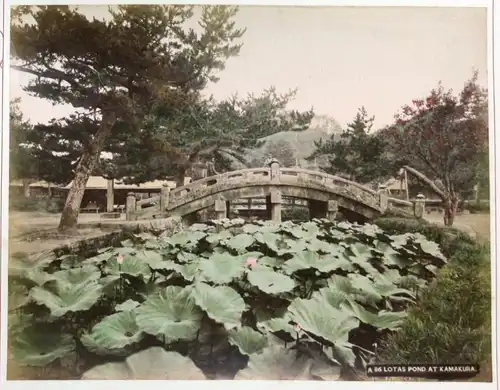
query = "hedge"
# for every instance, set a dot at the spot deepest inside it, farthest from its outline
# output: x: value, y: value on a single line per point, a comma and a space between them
x: 452, y: 321
x: 50, y: 205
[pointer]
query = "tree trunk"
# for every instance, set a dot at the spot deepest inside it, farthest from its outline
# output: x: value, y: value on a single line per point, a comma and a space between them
x: 476, y: 194
x: 26, y: 187
x: 69, y: 217
x: 180, y: 178
x: 450, y: 210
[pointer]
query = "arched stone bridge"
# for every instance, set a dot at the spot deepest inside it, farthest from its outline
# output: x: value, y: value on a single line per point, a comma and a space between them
x: 326, y: 194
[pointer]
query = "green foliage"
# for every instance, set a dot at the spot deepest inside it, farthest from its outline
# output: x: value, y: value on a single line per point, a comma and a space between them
x: 306, y: 295
x: 358, y: 155
x: 118, y: 72
x: 477, y: 208
x: 451, y: 323
x: 150, y: 364
x: 23, y: 164
x: 51, y: 205
x: 177, y: 141
x: 445, y: 136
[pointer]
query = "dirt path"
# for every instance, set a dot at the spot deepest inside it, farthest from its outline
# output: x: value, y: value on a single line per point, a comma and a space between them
x: 477, y: 223
x: 32, y: 232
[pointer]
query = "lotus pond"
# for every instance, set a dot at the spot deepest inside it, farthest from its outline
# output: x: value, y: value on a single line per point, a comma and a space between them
x: 222, y: 300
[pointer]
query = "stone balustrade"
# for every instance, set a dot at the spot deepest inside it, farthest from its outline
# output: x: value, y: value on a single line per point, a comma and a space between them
x: 273, y: 183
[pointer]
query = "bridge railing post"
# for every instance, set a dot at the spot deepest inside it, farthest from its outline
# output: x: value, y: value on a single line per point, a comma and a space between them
x: 274, y: 166
x: 130, y: 206
x: 419, y: 206
x: 383, y: 198
x: 164, y: 197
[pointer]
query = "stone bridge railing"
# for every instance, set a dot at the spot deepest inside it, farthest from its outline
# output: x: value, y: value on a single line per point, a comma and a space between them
x: 171, y: 198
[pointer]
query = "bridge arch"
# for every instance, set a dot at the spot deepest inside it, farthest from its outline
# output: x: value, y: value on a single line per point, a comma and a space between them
x: 328, y: 193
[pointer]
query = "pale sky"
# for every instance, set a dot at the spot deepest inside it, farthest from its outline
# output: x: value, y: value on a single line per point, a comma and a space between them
x: 339, y: 58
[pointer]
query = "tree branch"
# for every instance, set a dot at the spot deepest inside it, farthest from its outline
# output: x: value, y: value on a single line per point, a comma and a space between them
x: 427, y: 181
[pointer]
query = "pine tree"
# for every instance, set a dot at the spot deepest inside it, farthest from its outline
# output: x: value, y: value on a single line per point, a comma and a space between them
x: 116, y: 72
x: 172, y: 145
x: 358, y: 155
x: 22, y: 163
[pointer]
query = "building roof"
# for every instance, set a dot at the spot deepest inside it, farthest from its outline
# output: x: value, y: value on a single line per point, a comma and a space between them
x: 42, y: 183
x: 100, y: 183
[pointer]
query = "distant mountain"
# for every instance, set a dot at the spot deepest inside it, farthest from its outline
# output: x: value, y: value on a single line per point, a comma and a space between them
x: 302, y: 142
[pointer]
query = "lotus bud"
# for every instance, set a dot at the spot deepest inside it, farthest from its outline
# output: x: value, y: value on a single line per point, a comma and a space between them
x: 251, y: 261
x: 119, y: 259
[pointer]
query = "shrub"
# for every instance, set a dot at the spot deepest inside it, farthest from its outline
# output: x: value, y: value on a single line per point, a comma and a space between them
x: 251, y: 301
x: 477, y: 208
x: 451, y: 322
x: 51, y: 205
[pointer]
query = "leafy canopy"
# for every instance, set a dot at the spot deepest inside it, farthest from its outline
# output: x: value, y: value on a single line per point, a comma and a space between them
x: 445, y: 136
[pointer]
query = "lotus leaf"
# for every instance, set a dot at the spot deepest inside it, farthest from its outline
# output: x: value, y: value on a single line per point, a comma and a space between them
x: 429, y: 247
x: 269, y: 239
x: 131, y: 265
x: 38, y: 276
x: 380, y: 320
x: 240, y: 242
x: 218, y: 237
x: 221, y: 268
x: 34, y: 347
x: 127, y: 305
x: 68, y: 298
x: 308, y: 259
x: 99, y: 259
x: 150, y: 257
x: 190, y: 271
x: 222, y: 303
x: 187, y: 239
x: 127, y: 243
x: 250, y: 229
x: 113, y: 334
x: 153, y: 363
x: 247, y: 340
x: 319, y: 318
x: 171, y: 314
x: 361, y: 255
x: 269, y: 281
x: 77, y: 276
x: 145, y: 236
x: 276, y: 363
x: 199, y: 227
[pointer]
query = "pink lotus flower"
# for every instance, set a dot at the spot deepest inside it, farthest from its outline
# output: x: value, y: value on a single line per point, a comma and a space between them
x: 251, y: 261
x: 119, y: 259
x: 297, y: 328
